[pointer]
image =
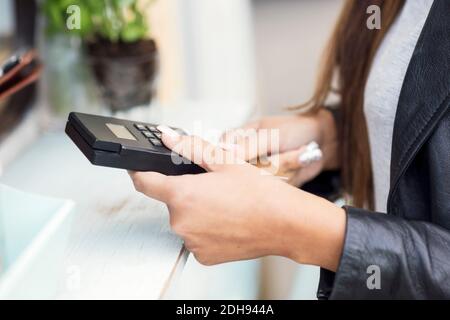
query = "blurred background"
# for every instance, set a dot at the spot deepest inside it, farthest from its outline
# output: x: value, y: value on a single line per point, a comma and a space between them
x: 246, y: 58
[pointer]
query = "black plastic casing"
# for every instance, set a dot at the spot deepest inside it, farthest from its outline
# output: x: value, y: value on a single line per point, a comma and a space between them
x: 91, y: 135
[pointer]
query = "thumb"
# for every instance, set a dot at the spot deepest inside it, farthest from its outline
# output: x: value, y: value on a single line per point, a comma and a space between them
x: 152, y: 184
x: 197, y: 150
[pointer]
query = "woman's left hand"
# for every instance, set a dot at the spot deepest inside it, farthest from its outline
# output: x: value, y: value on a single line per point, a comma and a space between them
x: 234, y: 211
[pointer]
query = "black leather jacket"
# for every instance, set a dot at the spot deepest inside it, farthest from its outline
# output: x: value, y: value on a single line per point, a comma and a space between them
x: 411, y: 244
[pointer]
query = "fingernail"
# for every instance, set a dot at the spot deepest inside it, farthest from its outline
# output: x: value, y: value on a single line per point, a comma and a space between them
x: 168, y: 131
x: 309, y: 156
x: 312, y: 146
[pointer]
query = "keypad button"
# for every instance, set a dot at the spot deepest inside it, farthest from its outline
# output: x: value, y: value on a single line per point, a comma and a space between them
x: 158, y: 134
x: 147, y: 134
x: 140, y: 127
x: 152, y: 129
x: 155, y: 142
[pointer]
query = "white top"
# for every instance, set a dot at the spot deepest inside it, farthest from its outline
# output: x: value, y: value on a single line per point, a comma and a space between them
x: 383, y: 90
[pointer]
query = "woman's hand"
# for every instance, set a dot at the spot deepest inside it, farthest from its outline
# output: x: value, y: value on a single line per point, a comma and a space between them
x: 294, y: 132
x: 235, y: 212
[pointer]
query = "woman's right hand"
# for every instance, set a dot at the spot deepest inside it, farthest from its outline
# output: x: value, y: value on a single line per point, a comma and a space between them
x: 295, y: 132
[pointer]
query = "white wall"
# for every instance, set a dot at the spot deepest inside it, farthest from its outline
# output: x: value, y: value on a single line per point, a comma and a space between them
x: 289, y: 38
x: 218, y: 49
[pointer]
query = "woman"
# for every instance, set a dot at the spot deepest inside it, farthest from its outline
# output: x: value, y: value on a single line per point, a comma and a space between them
x: 390, y: 138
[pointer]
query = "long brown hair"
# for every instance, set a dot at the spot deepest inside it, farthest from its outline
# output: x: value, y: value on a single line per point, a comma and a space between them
x: 346, y: 65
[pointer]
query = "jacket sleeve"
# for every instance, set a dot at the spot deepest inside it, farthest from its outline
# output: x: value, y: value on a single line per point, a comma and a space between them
x: 387, y: 257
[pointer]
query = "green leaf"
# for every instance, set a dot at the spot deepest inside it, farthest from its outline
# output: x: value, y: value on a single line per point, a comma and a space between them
x: 133, y: 32
x: 98, y: 18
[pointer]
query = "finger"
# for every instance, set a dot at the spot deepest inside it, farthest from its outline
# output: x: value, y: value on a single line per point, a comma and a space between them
x: 228, y: 135
x: 197, y: 150
x: 300, y: 158
x: 286, y: 161
x: 235, y: 149
x: 304, y: 175
x: 248, y: 143
x: 245, y: 141
x: 152, y: 184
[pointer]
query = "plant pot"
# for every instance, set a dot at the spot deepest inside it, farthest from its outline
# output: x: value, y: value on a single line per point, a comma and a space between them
x: 125, y: 72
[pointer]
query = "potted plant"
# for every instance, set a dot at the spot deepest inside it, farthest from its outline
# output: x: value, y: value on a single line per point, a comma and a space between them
x: 116, y: 43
